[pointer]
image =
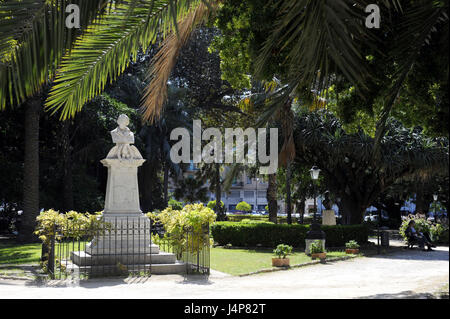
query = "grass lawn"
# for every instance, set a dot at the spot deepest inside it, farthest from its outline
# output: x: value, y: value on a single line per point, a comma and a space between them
x: 243, y: 261
x: 230, y: 261
x: 13, y: 253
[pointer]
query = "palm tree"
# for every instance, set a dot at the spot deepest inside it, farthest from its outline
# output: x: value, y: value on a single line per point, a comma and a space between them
x: 346, y: 163
x: 34, y: 42
x: 33, y: 38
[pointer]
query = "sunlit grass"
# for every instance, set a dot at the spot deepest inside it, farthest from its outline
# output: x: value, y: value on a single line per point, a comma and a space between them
x: 243, y: 261
x: 13, y: 253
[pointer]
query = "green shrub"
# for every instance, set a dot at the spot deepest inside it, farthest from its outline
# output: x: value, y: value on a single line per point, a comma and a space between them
x: 244, y: 206
x: 352, y: 244
x: 423, y: 225
x: 316, y: 247
x: 212, y: 204
x: 175, y: 222
x: 176, y: 205
x: 443, y: 238
x: 283, y: 250
x: 270, y: 235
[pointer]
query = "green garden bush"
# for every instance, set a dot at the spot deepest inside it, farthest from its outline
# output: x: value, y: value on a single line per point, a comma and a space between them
x: 244, y: 206
x: 271, y: 235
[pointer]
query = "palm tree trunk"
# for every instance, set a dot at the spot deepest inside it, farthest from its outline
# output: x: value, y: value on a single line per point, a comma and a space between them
x: 166, y: 184
x: 30, y: 171
x: 67, y: 179
x: 288, y: 193
x: 272, y: 198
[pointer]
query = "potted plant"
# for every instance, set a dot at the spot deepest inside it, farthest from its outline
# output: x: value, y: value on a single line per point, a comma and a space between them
x: 317, y: 250
x: 281, y: 251
x: 352, y: 247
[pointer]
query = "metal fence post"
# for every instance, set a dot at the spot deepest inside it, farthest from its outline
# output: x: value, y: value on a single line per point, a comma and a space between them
x: 51, y: 255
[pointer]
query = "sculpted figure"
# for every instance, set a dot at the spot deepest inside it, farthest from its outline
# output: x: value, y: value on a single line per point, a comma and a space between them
x: 123, y: 137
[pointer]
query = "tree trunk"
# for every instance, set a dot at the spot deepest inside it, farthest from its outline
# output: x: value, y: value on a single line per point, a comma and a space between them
x: 219, y: 210
x: 30, y: 171
x: 288, y: 194
x: 166, y: 184
x: 300, y: 209
x: 272, y: 198
x: 351, y: 211
x: 67, y: 179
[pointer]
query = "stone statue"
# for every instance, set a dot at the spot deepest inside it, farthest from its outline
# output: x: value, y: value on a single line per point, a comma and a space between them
x: 123, y: 137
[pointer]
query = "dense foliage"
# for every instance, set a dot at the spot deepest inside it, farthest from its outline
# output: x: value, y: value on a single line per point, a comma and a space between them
x: 267, y: 234
x: 176, y: 223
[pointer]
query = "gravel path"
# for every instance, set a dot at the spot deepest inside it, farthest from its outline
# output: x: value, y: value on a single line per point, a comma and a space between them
x: 409, y: 273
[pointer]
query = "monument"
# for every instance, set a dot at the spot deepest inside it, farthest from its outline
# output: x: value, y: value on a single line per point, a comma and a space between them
x: 127, y: 242
x: 328, y: 217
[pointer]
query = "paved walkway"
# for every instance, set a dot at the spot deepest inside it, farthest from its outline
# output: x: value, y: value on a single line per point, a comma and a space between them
x: 408, y: 273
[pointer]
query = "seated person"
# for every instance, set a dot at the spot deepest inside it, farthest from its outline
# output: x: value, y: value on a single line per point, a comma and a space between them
x: 422, y: 238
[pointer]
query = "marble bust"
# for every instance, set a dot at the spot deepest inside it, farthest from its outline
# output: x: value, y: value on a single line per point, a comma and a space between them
x: 123, y: 137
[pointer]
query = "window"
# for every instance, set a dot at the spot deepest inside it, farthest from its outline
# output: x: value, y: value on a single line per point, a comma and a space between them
x: 249, y: 194
x: 262, y: 194
x: 234, y: 194
x: 249, y: 180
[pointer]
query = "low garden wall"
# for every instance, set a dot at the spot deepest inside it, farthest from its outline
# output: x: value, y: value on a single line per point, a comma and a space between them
x: 270, y: 235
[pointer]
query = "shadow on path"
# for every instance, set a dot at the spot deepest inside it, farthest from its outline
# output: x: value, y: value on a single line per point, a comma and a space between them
x: 407, y: 295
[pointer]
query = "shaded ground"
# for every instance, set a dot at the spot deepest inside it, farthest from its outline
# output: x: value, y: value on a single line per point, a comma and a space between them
x: 402, y: 274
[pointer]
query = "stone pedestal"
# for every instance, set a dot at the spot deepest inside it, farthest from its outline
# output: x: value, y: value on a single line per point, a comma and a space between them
x: 125, y: 243
x: 328, y: 217
x: 122, y: 195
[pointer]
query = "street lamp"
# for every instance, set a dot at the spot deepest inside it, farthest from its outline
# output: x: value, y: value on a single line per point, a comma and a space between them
x: 315, y: 171
x: 315, y: 233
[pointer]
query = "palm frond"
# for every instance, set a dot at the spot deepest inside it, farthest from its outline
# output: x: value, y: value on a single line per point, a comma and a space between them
x: 317, y: 37
x: 103, y: 52
x: 33, y: 38
x: 164, y: 61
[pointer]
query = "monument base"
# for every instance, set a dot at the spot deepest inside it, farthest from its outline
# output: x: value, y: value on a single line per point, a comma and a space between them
x: 124, y: 245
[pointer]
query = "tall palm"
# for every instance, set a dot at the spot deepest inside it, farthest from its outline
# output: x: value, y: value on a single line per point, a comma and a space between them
x: 33, y: 38
x: 322, y: 38
x: 35, y: 42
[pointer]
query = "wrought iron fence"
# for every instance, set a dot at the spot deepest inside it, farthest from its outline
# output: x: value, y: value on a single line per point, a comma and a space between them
x: 125, y: 247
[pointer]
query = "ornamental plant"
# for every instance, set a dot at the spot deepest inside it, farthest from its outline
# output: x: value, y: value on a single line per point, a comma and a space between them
x: 422, y: 225
x: 244, y: 206
x: 282, y: 250
x: 53, y: 224
x: 175, y: 204
x: 191, y: 218
x: 316, y: 247
x: 212, y: 204
x: 352, y: 244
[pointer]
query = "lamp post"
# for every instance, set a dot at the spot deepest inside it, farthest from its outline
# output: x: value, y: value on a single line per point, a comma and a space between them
x: 315, y: 233
x: 315, y: 176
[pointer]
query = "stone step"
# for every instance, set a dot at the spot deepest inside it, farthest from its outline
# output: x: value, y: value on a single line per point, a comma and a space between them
x: 83, y: 258
x: 105, y: 270
x: 123, y: 247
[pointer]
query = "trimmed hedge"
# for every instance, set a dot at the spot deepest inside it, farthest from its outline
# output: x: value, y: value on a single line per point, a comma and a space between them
x: 271, y: 235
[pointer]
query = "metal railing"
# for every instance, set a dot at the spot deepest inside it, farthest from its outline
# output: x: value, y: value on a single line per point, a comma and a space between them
x: 124, y: 247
